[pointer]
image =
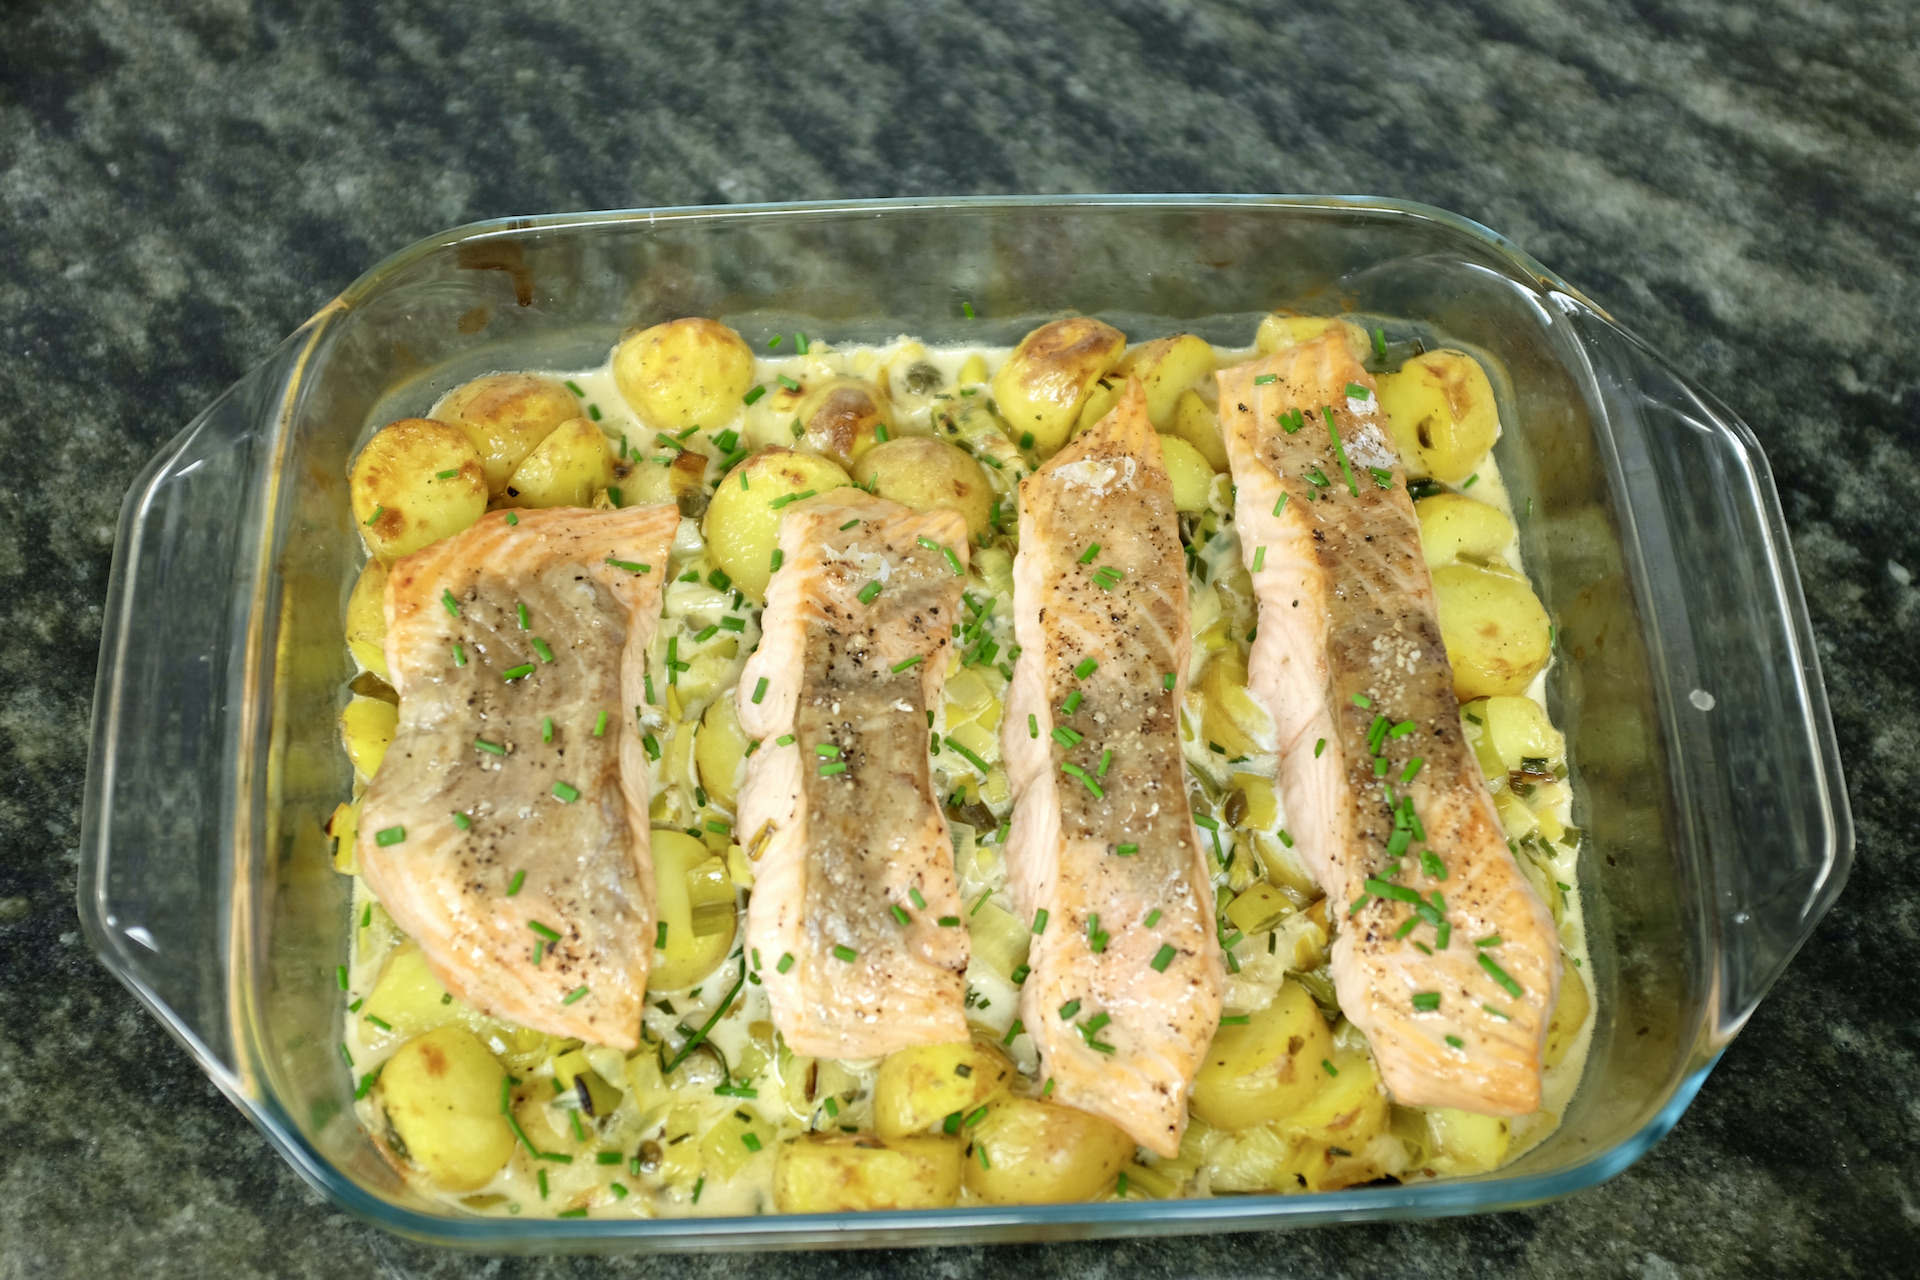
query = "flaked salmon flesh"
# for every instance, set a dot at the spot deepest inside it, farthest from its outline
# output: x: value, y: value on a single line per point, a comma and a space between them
x: 855, y: 918
x: 1444, y: 956
x: 1126, y: 982
x: 506, y: 830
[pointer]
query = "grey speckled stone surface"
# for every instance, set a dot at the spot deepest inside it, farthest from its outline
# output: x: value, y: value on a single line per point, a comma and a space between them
x: 182, y: 184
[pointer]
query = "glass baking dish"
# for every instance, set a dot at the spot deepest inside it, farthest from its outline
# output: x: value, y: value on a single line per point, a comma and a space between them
x: 1687, y: 683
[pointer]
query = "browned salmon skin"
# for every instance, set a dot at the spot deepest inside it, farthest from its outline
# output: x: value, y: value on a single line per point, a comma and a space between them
x: 1102, y: 855
x: 1445, y: 957
x: 855, y: 918
x: 506, y: 830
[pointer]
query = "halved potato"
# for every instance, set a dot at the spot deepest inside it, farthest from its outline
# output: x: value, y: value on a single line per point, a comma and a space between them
x: 1167, y: 369
x: 1039, y: 1153
x: 1041, y: 387
x: 1569, y: 1016
x: 1440, y: 409
x: 689, y: 955
x: 367, y: 726
x: 916, y: 1089
x: 1494, y: 628
x: 834, y: 1172
x: 684, y: 373
x: 441, y: 1095
x: 742, y: 523
x: 1192, y: 477
x: 416, y: 482
x: 564, y: 470
x: 506, y: 415
x: 1266, y: 1069
x: 841, y: 417
x: 1279, y: 330
x: 1452, y: 524
x: 928, y: 475
x: 367, y: 619
x: 1195, y: 423
x: 721, y: 747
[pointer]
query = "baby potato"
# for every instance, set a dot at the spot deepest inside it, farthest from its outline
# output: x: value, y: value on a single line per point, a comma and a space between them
x: 928, y: 475
x: 564, y: 470
x: 841, y: 418
x: 973, y: 370
x: 441, y: 1094
x: 343, y: 827
x: 1569, y: 1015
x: 742, y: 523
x: 1278, y: 331
x: 1192, y: 477
x: 367, y: 619
x: 1195, y: 423
x: 1100, y: 402
x: 1266, y: 1069
x: 1349, y: 1108
x: 506, y: 415
x: 1494, y: 628
x: 1452, y: 524
x: 688, y: 956
x: 1465, y: 1142
x: 1167, y: 368
x: 367, y: 726
x: 1440, y: 409
x: 1517, y: 729
x: 721, y: 747
x: 684, y: 373
x: 1039, y: 1153
x: 416, y: 482
x: 1047, y: 378
x: 834, y: 1172
x: 408, y: 998
x: 916, y: 1089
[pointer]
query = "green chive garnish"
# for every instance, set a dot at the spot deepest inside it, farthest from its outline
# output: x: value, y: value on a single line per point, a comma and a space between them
x: 1039, y: 922
x: 760, y: 690
x: 1093, y: 549
x: 1265, y: 378
x: 494, y: 748
x: 777, y: 556
x: 1426, y: 1001
x: 600, y: 725
x: 1166, y: 682
x: 453, y: 606
x: 1318, y: 747
x: 1125, y: 850
x: 1163, y: 957
x: 629, y: 565
x: 512, y: 518
x: 869, y: 593
x: 828, y: 770
x: 754, y: 394
x: 377, y: 513
x: 1499, y: 975
x: 574, y: 994
x: 1033, y: 725
x: 846, y: 954
x: 902, y: 665
x: 390, y: 836
x: 514, y: 673
x: 566, y: 793
x: 786, y: 963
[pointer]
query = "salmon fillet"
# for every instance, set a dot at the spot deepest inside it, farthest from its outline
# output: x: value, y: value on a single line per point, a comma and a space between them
x: 1350, y: 664
x: 855, y: 919
x: 506, y: 830
x: 1102, y: 855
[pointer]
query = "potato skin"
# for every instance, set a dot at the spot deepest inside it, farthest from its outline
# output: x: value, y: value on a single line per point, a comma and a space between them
x: 721, y: 746
x: 833, y: 1172
x: 400, y: 499
x: 367, y: 726
x: 1195, y: 423
x: 1569, y: 1015
x: 1494, y: 627
x: 441, y: 1094
x: 1192, y: 477
x: 928, y: 475
x: 1039, y: 1153
x: 1044, y: 382
x: 564, y: 470
x: 1452, y: 524
x: 1278, y: 331
x: 1167, y: 368
x: 367, y: 619
x: 1440, y: 409
x: 916, y: 1089
x: 1266, y: 1069
x: 841, y: 418
x: 684, y: 373
x: 687, y: 958
x: 743, y: 527
x: 506, y: 415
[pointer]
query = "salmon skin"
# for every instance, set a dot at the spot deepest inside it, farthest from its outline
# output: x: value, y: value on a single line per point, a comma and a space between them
x: 855, y: 919
x: 1103, y: 857
x: 506, y: 830
x: 1445, y: 957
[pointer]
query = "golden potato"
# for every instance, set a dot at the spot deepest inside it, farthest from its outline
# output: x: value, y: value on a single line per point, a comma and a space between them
x: 1232, y: 721
x: 1465, y: 1142
x: 742, y: 523
x: 928, y: 475
x: 1039, y: 1153
x: 1494, y: 628
x: 506, y: 415
x: 1192, y: 477
x: 719, y: 751
x: 1167, y: 368
x: 367, y: 619
x: 1195, y: 423
x: 1569, y: 1016
x: 1453, y: 525
x: 1044, y: 382
x: 441, y: 1095
x: 918, y: 1088
x: 684, y: 373
x: 343, y: 827
x: 408, y: 998
x: 367, y: 726
x: 834, y: 1172
x: 1440, y: 409
x: 1278, y: 331
x: 1518, y: 731
x: 416, y: 482
x: 973, y: 370
x: 1100, y: 401
x: 841, y: 417
x: 1349, y: 1108
x: 1266, y: 1069
x: 564, y: 470
x: 689, y: 954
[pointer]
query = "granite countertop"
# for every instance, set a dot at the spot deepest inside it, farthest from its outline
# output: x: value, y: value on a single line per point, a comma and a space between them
x: 1739, y: 183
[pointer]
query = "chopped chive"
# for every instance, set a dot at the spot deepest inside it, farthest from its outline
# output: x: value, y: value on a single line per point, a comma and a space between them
x: 786, y: 498
x: 967, y: 755
x: 869, y: 593
x: 1426, y: 1001
x: 786, y: 963
x: 390, y: 836
x: 1265, y: 378
x: 1067, y: 737
x: 493, y: 747
x: 1498, y: 974
x: 1072, y: 704
x: 377, y: 513
x: 366, y: 916
x: 1166, y: 682
x: 1501, y: 1014
x: 1381, y: 477
x: 829, y: 770
x: 800, y: 342
x: 787, y: 382
x: 899, y: 914
x: 453, y: 606
x: 1491, y: 940
x: 1318, y: 747
x: 515, y: 673
x: 1033, y: 725
x: 1125, y: 850
x: 845, y: 954
x: 1362, y: 701
x: 543, y: 931
x: 706, y: 633
x: 827, y: 749
x: 1412, y: 770
x: 1259, y: 558
x: 566, y: 794
x: 1039, y: 922
x: 652, y: 745
x: 776, y: 558
x: 754, y: 394
x: 760, y: 690
x: 1093, y: 549
x: 574, y: 994
x: 1019, y: 975
x: 1086, y: 668
x: 546, y: 728
x: 904, y: 663
x: 1153, y: 918
x: 1075, y: 771
x: 949, y: 922
x: 1163, y: 957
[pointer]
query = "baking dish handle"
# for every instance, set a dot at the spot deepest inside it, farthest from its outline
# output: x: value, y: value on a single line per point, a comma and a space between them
x: 1762, y: 789
x: 156, y: 836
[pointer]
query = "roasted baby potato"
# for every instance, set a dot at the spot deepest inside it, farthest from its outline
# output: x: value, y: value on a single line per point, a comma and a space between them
x: 841, y: 418
x: 917, y: 1089
x: 1494, y: 628
x: 1043, y: 384
x: 1278, y: 331
x: 367, y: 726
x: 834, y: 1172
x: 1192, y: 477
x: 441, y: 1095
x: 1039, y: 1153
x: 1464, y: 1142
x: 1167, y: 369
x: 1440, y: 409
x: 1197, y: 424
x: 1453, y: 525
x: 1266, y: 1069
x: 367, y: 619
x: 1569, y: 1015
x: 743, y: 523
x: 416, y: 482
x: 688, y: 955
x: 506, y: 415
x: 1517, y: 731
x: 1348, y: 1109
x: 408, y: 998
x: 564, y: 470
x: 684, y: 373
x: 721, y: 747
x: 928, y: 475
